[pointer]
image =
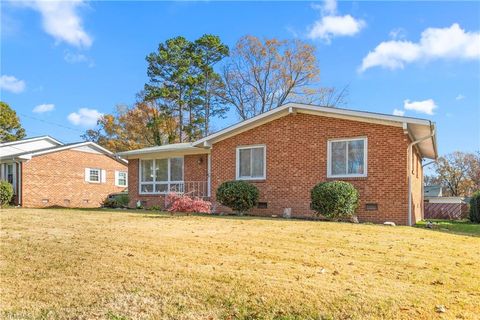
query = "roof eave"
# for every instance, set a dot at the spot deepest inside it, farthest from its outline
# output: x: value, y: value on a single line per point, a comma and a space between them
x: 80, y: 144
x: 6, y: 144
x: 305, y: 108
x: 135, y: 154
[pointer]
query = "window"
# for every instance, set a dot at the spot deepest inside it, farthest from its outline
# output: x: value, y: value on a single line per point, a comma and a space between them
x: 9, y: 174
x: 120, y: 178
x: 251, y: 163
x: 347, y: 158
x: 161, y: 175
x: 95, y: 175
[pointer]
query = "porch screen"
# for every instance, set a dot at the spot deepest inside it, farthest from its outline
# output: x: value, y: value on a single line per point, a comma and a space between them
x: 161, y: 175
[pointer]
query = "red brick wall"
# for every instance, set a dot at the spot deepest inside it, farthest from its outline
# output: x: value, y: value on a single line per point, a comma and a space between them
x: 297, y: 160
x: 417, y: 191
x: 60, y: 178
x: 195, y: 169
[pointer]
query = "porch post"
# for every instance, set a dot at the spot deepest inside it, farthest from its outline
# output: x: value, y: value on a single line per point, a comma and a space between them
x: 209, y: 173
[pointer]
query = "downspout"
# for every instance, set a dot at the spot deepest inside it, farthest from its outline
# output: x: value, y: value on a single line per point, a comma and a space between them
x: 409, y: 160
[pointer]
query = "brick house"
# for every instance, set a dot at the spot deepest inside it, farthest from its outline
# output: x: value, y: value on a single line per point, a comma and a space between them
x: 288, y: 150
x: 45, y: 172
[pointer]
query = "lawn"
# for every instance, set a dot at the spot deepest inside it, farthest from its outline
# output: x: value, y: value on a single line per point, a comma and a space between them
x: 74, y: 264
x: 454, y: 226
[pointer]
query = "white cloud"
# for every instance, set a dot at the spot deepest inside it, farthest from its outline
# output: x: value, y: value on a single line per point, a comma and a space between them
x: 460, y: 97
x: 329, y: 7
x: 72, y: 57
x: 397, y: 33
x: 425, y: 106
x: 12, y: 84
x: 61, y: 20
x: 435, y: 43
x: 46, y: 107
x: 84, y: 117
x: 331, y: 25
x: 397, y: 112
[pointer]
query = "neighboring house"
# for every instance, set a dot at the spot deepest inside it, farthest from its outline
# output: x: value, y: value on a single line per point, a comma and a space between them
x: 432, y: 191
x: 45, y: 172
x: 437, y: 206
x: 287, y: 151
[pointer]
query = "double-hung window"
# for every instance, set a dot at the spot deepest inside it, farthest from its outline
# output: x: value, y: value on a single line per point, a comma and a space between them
x: 347, y: 158
x: 251, y: 163
x: 94, y: 175
x: 161, y: 175
x: 120, y: 178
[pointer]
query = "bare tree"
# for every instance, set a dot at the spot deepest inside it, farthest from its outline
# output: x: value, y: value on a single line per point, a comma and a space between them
x: 262, y: 75
x: 459, y: 173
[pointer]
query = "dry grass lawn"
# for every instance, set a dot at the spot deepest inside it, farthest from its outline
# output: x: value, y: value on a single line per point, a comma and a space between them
x: 74, y: 264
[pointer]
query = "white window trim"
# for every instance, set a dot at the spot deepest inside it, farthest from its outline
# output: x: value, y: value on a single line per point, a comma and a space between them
x: 365, y: 158
x: 99, y: 175
x: 237, y: 162
x: 168, y: 183
x: 117, y: 178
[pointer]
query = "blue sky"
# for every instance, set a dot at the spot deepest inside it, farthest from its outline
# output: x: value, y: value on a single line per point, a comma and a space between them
x: 63, y: 64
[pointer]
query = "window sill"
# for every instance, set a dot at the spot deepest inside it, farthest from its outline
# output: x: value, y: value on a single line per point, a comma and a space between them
x: 152, y: 194
x: 253, y: 180
x: 347, y: 178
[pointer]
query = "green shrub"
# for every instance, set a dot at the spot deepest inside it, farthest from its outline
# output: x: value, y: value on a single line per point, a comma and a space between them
x: 6, y: 193
x: 117, y: 201
x: 123, y: 200
x: 336, y: 200
x: 109, y: 203
x: 474, y: 214
x: 240, y: 196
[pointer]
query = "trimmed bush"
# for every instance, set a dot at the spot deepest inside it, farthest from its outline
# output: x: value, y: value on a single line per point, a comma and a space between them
x: 6, y: 193
x: 336, y: 200
x: 122, y: 200
x: 240, y: 196
x: 474, y: 215
x: 109, y: 203
x: 117, y: 201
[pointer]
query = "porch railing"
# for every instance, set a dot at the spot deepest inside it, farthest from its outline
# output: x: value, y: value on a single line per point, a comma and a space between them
x: 192, y: 188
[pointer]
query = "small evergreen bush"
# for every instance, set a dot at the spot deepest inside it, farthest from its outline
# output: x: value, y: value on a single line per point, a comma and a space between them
x: 474, y: 215
x: 117, y: 201
x: 240, y: 196
x: 6, y: 193
x: 122, y: 200
x: 336, y: 200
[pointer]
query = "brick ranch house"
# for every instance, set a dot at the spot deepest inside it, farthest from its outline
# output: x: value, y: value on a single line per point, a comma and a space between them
x: 45, y: 172
x: 288, y: 150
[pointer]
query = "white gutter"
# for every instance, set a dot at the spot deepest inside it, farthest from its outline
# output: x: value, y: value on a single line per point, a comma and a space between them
x: 409, y: 160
